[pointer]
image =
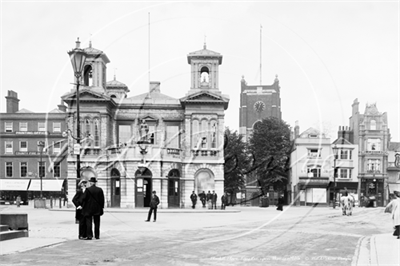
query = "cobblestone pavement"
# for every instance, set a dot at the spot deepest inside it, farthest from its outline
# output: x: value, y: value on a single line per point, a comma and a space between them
x: 256, y: 236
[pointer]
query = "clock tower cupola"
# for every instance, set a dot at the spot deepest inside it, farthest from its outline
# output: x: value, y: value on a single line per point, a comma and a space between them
x: 204, y: 69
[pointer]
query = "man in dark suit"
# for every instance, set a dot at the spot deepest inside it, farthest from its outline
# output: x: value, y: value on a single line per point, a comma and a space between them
x: 153, y: 206
x: 193, y: 198
x: 93, y: 205
x: 214, y: 198
x: 78, y: 201
x: 202, y: 196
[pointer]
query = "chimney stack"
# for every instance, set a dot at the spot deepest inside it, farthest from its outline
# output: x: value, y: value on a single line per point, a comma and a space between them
x: 62, y: 107
x: 12, y: 102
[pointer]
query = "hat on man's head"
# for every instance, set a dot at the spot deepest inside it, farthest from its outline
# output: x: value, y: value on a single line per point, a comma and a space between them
x: 154, y: 191
x: 93, y: 179
x: 397, y: 193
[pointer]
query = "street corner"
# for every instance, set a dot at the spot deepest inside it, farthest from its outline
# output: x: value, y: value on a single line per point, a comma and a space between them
x: 23, y: 244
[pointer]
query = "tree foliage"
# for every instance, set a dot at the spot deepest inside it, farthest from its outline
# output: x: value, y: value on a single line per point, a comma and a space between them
x: 270, y: 147
x: 236, y: 160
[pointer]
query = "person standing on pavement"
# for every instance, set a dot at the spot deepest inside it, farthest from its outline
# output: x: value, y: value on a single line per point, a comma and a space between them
x: 193, y: 198
x: 202, y: 196
x: 209, y: 199
x: 93, y: 205
x: 153, y: 206
x: 224, y: 200
x: 214, y: 198
x: 280, y: 204
x: 394, y: 208
x: 78, y: 201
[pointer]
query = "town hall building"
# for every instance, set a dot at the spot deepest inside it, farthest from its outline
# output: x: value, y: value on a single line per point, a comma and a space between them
x: 149, y: 142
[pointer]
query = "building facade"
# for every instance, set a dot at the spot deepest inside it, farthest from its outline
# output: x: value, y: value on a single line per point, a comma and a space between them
x: 393, y: 169
x: 311, y: 168
x: 257, y: 102
x: 346, y: 164
x: 371, y: 134
x: 22, y: 160
x: 135, y: 145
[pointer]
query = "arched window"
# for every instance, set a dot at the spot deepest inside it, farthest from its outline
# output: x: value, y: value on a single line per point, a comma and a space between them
x: 204, y: 134
x: 214, y: 134
x: 87, y: 128
x: 195, y: 134
x: 204, y: 75
x: 88, y: 76
x: 96, y: 133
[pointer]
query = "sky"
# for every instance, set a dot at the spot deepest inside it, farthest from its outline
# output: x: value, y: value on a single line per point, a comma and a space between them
x: 326, y: 53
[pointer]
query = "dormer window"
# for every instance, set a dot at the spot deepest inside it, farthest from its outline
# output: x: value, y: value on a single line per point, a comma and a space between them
x: 113, y: 96
x: 372, y: 125
x: 313, y: 136
x: 314, y: 153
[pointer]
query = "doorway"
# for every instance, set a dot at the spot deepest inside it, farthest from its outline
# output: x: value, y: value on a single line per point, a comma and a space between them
x: 115, y: 188
x: 143, y: 188
x: 173, y: 188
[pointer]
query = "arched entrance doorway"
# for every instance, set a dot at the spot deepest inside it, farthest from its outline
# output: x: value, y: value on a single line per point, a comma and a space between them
x: 173, y: 188
x: 143, y: 187
x: 115, y: 188
x: 204, y: 181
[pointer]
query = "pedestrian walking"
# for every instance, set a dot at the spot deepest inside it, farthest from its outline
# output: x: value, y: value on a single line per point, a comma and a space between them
x: 209, y: 199
x: 202, y: 196
x: 78, y: 202
x: 93, y: 205
x: 224, y: 201
x: 394, y: 208
x: 153, y: 206
x: 18, y: 201
x: 214, y: 198
x: 193, y: 198
x: 280, y: 204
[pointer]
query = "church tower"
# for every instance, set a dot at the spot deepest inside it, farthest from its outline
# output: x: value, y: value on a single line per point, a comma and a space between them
x: 258, y: 102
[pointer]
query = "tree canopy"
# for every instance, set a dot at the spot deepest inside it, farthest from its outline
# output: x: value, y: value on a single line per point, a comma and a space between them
x: 270, y: 147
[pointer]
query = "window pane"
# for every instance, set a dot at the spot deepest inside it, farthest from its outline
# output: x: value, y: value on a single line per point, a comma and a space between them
x: 96, y: 133
x: 9, y: 127
x: 56, y: 127
x: 9, y: 169
x: 23, y: 146
x: 24, y: 169
x: 23, y: 126
x: 124, y: 133
x: 57, y: 170
x: 41, y: 126
x: 172, y: 140
x: 9, y: 147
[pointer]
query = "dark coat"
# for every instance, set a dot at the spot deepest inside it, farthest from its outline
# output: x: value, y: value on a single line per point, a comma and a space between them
x: 214, y: 197
x: 154, y: 201
x: 93, y: 201
x: 209, y: 196
x: 193, y: 197
x: 78, y: 201
x: 202, y: 196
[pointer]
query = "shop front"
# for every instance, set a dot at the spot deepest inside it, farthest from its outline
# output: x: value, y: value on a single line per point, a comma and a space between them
x: 372, y: 192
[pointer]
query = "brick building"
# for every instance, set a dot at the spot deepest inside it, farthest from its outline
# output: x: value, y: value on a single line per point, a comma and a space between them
x: 20, y: 131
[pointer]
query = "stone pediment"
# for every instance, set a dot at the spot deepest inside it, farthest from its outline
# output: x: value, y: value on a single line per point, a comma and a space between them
x: 85, y: 95
x: 205, y: 97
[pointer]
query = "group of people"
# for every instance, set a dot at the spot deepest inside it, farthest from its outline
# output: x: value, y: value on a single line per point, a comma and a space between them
x: 89, y: 202
x: 210, y: 199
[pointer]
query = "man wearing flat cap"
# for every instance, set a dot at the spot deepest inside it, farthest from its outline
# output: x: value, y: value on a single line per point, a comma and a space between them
x: 93, y: 205
x: 394, y: 208
x: 153, y: 206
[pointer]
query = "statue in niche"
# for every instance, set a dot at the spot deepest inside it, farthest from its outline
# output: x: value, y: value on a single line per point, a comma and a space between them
x: 144, y: 130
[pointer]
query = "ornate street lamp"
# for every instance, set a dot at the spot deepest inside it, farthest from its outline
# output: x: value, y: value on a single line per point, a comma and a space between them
x: 335, y: 153
x: 78, y: 58
x: 41, y: 148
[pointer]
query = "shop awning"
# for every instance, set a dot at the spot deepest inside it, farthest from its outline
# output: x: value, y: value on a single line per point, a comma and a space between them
x: 342, y: 185
x: 14, y: 184
x: 313, y: 182
x: 47, y: 185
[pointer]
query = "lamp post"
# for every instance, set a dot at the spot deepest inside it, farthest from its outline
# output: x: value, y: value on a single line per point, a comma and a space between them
x: 41, y: 147
x: 335, y: 153
x: 78, y: 58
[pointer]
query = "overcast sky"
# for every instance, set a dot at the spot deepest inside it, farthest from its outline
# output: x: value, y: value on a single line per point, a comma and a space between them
x: 326, y: 54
